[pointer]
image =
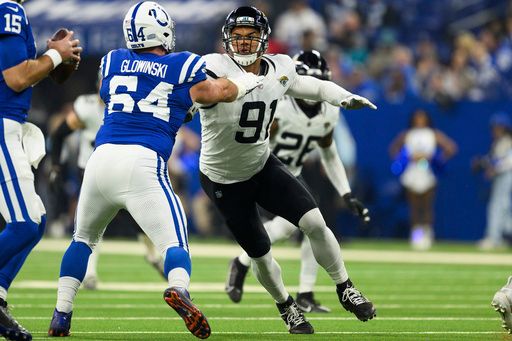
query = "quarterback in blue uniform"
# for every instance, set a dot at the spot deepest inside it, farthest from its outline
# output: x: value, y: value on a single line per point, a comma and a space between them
x: 148, y: 91
x: 20, y: 205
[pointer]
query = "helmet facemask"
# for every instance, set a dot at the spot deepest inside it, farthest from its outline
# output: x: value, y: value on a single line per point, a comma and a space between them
x: 231, y: 43
x: 246, y: 17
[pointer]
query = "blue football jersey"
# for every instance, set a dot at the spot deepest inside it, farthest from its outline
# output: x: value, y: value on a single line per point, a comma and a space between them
x: 147, y: 97
x: 16, y: 45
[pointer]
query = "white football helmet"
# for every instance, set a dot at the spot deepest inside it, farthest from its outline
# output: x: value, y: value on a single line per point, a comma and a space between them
x: 147, y: 24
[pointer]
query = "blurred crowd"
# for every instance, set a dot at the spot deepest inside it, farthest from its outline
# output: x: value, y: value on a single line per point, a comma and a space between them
x: 397, y: 50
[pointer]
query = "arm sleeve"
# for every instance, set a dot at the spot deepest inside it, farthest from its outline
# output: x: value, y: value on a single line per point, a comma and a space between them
x: 309, y: 87
x: 13, y: 51
x: 334, y: 169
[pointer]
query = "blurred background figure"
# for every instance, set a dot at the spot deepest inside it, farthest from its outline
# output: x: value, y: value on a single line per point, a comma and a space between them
x: 419, y: 153
x: 300, y: 22
x: 497, y: 167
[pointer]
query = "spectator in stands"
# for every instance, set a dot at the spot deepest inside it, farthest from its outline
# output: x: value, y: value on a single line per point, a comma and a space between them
x: 497, y: 166
x: 299, y: 18
x: 418, y: 152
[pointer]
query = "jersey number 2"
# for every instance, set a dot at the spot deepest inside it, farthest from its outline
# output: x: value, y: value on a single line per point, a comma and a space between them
x: 155, y: 102
x: 256, y: 124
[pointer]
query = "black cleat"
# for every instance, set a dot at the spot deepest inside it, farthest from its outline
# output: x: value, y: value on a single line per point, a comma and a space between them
x: 179, y: 300
x: 307, y: 303
x: 294, y: 318
x: 9, y: 327
x: 60, y: 325
x: 235, y: 281
x: 352, y: 300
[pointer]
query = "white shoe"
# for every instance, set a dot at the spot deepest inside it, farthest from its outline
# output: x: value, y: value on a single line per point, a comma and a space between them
x: 90, y: 282
x: 421, y: 238
x: 487, y: 244
x: 502, y: 304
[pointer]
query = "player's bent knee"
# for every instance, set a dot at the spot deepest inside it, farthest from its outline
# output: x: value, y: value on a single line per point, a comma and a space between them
x: 257, y: 249
x: 312, y: 221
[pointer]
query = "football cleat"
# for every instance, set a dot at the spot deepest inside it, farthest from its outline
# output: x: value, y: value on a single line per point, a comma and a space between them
x: 294, y: 318
x: 9, y: 327
x: 307, y: 303
x: 235, y: 281
x: 501, y: 302
x: 61, y: 324
x: 196, y: 322
x: 353, y: 300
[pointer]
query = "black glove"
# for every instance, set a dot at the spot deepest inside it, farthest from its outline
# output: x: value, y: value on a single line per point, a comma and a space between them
x: 357, y: 207
x: 55, y: 179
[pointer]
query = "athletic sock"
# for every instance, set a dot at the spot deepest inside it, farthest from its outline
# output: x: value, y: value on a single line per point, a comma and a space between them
x: 177, y: 267
x: 308, y: 268
x: 244, y: 259
x: 68, y: 288
x: 268, y: 273
x: 15, y: 238
x: 324, y: 245
x: 3, y: 293
x: 13, y: 266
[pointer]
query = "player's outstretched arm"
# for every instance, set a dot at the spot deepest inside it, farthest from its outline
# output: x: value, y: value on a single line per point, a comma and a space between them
x: 309, y: 87
x: 31, y: 71
x: 224, y: 89
x: 337, y: 175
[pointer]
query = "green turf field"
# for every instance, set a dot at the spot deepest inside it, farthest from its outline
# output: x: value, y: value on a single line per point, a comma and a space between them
x: 416, y: 298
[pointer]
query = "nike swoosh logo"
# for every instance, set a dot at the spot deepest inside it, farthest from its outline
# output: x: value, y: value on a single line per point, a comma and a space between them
x: 305, y: 309
x: 15, y: 9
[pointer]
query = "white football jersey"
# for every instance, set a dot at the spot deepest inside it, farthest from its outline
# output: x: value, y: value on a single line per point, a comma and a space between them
x: 235, y: 136
x: 89, y: 109
x: 297, y: 134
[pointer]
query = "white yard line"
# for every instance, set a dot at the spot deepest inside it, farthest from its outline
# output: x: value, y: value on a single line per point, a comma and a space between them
x: 245, y: 318
x: 280, y: 252
x: 218, y: 287
x: 246, y: 306
x: 448, y: 332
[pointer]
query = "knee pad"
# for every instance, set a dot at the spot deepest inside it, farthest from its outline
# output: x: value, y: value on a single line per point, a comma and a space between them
x: 311, y: 221
x: 257, y: 249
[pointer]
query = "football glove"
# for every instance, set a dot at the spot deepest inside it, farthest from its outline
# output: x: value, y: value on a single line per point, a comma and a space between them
x: 357, y: 207
x: 357, y: 102
x: 246, y: 83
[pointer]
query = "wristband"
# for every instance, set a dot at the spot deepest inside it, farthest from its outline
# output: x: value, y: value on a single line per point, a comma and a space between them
x: 54, y: 56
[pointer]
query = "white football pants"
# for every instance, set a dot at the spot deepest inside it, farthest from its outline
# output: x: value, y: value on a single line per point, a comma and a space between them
x: 18, y: 198
x: 134, y: 178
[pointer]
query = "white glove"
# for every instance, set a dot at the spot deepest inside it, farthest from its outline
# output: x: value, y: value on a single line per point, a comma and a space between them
x: 357, y: 102
x: 246, y: 83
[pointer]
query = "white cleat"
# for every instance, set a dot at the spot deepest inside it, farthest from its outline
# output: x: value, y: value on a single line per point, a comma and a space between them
x: 501, y: 303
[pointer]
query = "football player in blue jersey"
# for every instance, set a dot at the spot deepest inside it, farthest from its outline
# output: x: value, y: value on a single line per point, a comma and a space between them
x: 148, y: 91
x: 20, y: 205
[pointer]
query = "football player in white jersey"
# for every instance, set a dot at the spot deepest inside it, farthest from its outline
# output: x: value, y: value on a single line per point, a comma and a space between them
x: 238, y: 172
x: 147, y: 90
x: 301, y: 126
x: 86, y: 116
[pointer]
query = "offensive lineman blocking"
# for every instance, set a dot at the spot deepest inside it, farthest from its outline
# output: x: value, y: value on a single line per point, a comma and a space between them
x: 300, y: 127
x: 238, y: 171
x: 147, y: 91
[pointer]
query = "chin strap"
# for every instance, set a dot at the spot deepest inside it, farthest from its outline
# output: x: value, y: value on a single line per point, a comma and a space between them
x: 245, y: 59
